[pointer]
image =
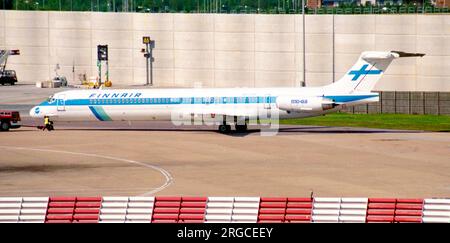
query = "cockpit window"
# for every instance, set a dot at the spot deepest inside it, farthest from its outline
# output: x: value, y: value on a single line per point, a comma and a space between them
x: 50, y: 99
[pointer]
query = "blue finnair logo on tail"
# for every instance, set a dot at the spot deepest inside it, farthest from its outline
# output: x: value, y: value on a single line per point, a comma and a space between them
x: 362, y: 71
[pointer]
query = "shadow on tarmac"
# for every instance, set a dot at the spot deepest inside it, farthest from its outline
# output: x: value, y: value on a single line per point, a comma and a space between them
x: 233, y: 133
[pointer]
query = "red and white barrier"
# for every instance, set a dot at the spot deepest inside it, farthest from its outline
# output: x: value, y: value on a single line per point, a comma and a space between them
x: 221, y: 210
x: 436, y: 211
x: 232, y: 210
x: 339, y: 210
x: 23, y: 209
x: 126, y: 209
x: 33, y: 210
x: 281, y: 210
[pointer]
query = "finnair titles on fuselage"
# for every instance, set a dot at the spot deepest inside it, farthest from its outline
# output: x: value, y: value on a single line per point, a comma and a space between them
x: 222, y: 106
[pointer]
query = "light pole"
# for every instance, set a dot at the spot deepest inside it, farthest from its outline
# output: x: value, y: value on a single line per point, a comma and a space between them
x: 304, y: 45
x: 333, y: 51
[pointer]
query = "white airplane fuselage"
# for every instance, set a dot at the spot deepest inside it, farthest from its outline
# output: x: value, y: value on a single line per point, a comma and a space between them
x: 354, y: 88
x: 170, y: 104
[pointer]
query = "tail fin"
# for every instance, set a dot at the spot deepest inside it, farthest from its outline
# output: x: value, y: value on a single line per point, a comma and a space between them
x: 366, y: 72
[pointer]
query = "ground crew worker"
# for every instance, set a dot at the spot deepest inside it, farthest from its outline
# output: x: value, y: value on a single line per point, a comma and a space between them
x: 46, y: 124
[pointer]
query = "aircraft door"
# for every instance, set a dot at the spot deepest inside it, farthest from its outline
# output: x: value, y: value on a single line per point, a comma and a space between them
x: 267, y: 104
x: 61, y: 102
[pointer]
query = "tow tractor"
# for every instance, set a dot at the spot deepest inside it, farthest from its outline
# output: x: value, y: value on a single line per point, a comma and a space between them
x: 9, y: 119
x: 7, y: 76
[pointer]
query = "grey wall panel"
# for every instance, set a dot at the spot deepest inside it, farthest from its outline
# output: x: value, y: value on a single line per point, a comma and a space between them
x: 153, y: 22
x: 395, y: 24
x: 77, y: 20
x: 227, y: 60
x: 111, y: 21
x: 194, y: 41
x: 226, y: 50
x: 70, y: 56
x: 194, y: 59
x: 274, y: 23
x: 27, y: 19
x: 74, y: 38
x: 234, y: 23
x: 275, y: 61
x: 232, y: 78
x: 434, y: 45
x: 275, y: 79
x: 193, y: 22
x: 275, y: 42
x: 355, y: 24
x: 193, y: 78
x: 35, y: 37
x: 231, y: 41
x: 2, y: 29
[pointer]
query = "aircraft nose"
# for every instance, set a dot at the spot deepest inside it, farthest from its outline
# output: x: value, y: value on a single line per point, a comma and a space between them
x: 35, y: 111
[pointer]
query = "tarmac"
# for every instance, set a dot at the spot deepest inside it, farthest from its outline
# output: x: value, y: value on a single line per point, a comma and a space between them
x: 159, y: 158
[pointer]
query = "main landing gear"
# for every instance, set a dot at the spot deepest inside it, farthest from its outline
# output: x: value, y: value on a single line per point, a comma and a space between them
x: 224, y: 128
x: 240, y: 126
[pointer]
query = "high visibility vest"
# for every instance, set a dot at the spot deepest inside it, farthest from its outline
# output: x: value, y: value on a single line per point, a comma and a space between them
x: 46, y: 121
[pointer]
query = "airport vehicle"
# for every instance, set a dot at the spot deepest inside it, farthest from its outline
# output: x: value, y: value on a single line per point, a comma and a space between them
x: 225, y: 106
x: 61, y: 80
x: 7, y: 76
x: 9, y: 119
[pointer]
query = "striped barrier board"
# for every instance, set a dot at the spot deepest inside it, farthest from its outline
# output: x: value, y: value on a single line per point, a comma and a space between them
x: 222, y: 210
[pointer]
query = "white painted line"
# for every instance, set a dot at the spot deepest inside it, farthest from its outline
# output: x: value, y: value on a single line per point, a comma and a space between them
x: 166, y: 174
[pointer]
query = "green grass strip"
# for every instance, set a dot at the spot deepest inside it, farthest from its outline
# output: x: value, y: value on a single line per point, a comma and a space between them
x: 385, y: 121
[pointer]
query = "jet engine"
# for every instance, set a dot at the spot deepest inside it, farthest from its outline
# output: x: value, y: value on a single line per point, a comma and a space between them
x: 304, y: 104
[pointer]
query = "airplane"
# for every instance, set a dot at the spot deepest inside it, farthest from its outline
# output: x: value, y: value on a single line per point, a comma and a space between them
x: 225, y: 106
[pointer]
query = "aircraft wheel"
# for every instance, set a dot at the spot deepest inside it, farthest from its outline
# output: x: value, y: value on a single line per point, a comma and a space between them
x: 224, y: 128
x: 241, y: 128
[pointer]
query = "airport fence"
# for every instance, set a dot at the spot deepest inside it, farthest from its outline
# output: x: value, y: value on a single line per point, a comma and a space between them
x: 218, y: 6
x: 399, y: 102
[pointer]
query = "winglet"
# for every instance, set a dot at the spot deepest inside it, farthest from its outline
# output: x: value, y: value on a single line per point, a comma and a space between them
x: 408, y: 54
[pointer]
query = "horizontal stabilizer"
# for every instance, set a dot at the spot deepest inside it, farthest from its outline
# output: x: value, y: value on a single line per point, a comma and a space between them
x: 408, y: 54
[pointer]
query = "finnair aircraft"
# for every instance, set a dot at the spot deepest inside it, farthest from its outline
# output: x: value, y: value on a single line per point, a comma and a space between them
x: 228, y: 106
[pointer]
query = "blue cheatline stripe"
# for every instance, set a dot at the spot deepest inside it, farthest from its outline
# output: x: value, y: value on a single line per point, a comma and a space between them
x: 186, y: 101
x: 99, y: 113
x: 165, y: 101
x: 349, y: 98
x: 95, y: 113
x: 102, y: 113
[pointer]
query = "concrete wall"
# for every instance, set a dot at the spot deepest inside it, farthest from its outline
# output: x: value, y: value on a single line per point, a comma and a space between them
x: 226, y: 50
